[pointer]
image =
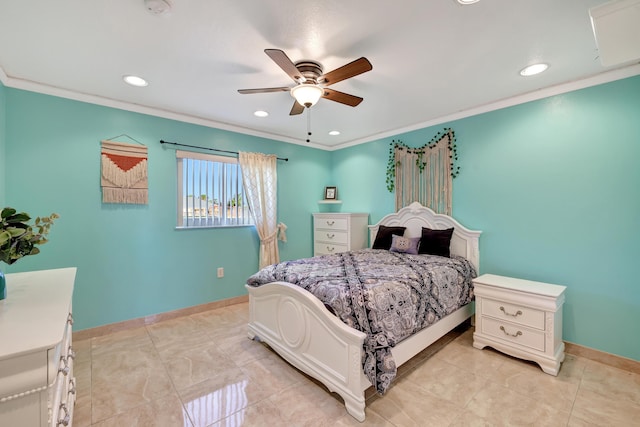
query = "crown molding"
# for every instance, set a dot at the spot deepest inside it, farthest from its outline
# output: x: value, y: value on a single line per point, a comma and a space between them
x: 31, y: 86
x: 606, y: 77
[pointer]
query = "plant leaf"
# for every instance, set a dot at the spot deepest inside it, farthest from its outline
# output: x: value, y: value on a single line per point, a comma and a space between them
x: 20, y: 217
x: 7, y: 212
x: 15, y: 231
x: 4, y: 237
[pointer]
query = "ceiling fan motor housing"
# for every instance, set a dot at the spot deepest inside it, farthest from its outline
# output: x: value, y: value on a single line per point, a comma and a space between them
x: 311, y: 70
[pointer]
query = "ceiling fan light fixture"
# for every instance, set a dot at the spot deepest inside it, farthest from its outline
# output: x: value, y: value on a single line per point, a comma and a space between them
x: 307, y: 94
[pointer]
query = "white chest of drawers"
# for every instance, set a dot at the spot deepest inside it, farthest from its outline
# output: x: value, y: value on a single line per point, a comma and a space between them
x: 520, y: 318
x: 37, y: 387
x: 339, y: 232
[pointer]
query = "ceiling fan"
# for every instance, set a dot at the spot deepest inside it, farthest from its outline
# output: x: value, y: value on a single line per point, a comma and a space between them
x: 311, y: 83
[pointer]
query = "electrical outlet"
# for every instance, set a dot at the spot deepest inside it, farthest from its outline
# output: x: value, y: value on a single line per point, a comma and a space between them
x: 220, y: 272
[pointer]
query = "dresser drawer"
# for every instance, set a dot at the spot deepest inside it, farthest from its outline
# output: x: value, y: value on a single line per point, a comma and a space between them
x: 320, y: 248
x: 330, y: 223
x: 513, y: 313
x: 331, y: 236
x: 513, y: 333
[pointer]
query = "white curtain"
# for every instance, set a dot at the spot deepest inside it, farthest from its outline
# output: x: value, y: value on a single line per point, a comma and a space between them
x: 424, y: 174
x: 260, y: 181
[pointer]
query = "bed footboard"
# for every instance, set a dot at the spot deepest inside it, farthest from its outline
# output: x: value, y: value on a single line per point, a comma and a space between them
x: 286, y: 317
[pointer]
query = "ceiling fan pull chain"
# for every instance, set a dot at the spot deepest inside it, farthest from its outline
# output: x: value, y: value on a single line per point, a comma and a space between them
x: 308, y: 124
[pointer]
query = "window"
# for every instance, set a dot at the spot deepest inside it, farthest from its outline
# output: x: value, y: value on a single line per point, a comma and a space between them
x: 210, y: 191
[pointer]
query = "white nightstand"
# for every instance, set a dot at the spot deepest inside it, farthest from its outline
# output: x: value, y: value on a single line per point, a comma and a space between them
x: 520, y: 318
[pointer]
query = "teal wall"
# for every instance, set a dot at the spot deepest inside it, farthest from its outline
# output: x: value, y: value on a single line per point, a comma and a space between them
x: 2, y: 143
x: 131, y: 260
x: 554, y: 186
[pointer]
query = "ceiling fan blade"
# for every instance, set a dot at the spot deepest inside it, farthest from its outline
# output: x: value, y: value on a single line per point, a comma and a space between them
x: 359, y: 66
x: 296, y: 109
x: 283, y: 61
x: 341, y: 97
x: 264, y: 90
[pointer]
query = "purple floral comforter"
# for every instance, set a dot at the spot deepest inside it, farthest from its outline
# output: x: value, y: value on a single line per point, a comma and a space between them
x: 387, y: 295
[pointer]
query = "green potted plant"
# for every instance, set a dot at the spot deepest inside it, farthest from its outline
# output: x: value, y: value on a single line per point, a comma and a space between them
x: 19, y: 239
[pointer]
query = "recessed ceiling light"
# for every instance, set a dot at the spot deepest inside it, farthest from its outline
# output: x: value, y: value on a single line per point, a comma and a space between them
x: 533, y: 69
x: 260, y: 113
x: 334, y: 132
x: 467, y: 1
x: 135, y: 81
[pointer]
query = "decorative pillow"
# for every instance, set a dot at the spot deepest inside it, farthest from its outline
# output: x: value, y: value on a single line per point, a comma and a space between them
x: 406, y: 245
x: 435, y: 242
x: 383, y: 237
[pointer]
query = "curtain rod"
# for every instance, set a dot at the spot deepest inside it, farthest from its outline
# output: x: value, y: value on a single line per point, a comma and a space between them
x: 210, y: 149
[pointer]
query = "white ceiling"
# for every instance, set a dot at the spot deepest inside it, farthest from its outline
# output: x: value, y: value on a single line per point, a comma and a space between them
x: 432, y: 60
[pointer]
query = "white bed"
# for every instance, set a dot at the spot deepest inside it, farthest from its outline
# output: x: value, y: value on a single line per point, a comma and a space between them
x: 296, y: 324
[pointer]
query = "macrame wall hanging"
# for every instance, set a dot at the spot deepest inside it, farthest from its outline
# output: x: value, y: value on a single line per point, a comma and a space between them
x: 124, y: 173
x: 424, y: 174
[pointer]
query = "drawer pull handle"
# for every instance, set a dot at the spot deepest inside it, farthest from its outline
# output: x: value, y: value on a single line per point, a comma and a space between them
x: 330, y: 223
x: 330, y: 236
x: 72, y: 386
x: 64, y: 369
x: 517, y: 334
x: 70, y: 319
x: 517, y: 313
x: 64, y: 421
x: 330, y: 249
x: 71, y: 354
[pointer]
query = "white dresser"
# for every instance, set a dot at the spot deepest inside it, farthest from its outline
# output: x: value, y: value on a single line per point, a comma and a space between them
x: 521, y: 318
x: 339, y: 232
x: 37, y: 387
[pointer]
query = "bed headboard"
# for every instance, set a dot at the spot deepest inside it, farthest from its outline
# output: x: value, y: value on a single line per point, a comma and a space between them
x: 464, y: 242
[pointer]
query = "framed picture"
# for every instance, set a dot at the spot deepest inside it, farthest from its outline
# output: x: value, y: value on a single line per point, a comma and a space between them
x: 330, y: 193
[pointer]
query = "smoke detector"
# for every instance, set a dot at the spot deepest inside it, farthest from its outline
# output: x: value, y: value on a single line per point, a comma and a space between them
x: 157, y: 7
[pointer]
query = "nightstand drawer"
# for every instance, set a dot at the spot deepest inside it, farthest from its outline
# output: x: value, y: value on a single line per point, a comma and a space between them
x: 330, y: 224
x: 320, y: 248
x: 516, y: 334
x: 513, y: 313
x: 331, y: 236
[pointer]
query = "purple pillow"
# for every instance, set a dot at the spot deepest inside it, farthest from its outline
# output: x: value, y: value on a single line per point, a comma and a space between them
x: 406, y: 245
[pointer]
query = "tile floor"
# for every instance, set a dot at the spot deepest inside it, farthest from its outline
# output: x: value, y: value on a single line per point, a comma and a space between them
x: 202, y: 370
